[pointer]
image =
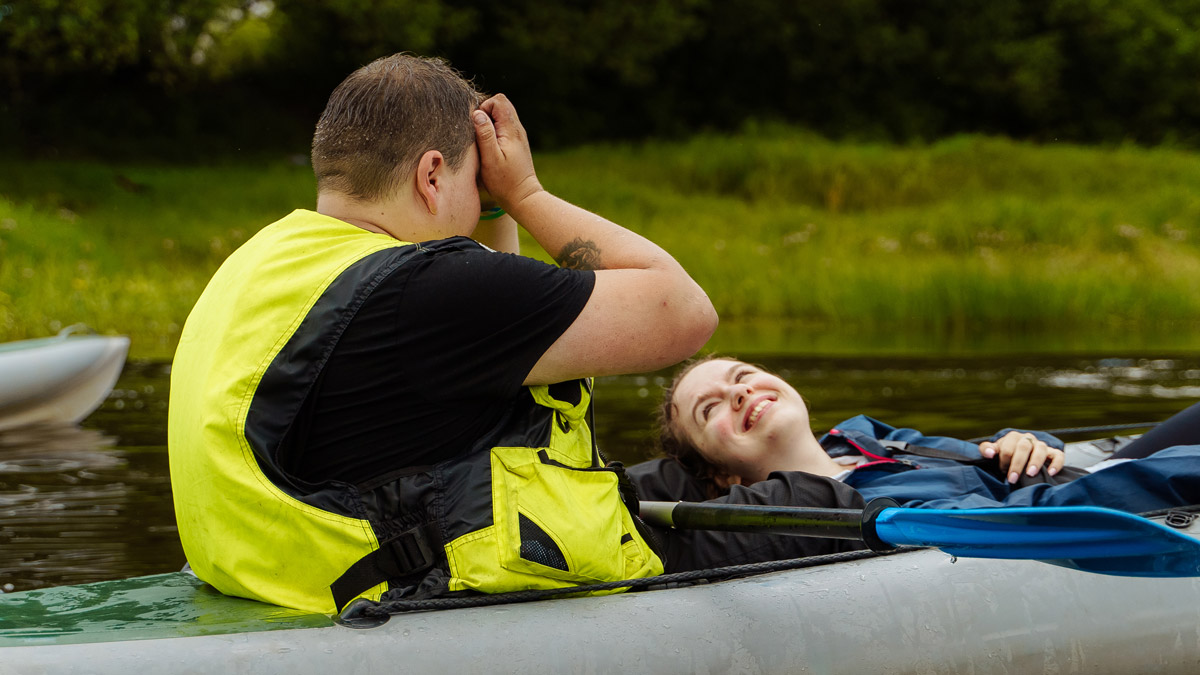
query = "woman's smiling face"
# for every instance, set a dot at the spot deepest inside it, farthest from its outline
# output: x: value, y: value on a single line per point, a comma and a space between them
x: 740, y: 417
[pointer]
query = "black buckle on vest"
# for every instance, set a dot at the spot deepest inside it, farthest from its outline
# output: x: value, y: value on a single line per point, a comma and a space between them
x: 404, y: 555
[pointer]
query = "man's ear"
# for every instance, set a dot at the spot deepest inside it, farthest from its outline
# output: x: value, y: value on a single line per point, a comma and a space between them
x: 430, y: 169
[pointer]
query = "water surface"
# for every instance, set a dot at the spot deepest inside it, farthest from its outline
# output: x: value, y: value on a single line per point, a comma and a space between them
x: 93, y: 503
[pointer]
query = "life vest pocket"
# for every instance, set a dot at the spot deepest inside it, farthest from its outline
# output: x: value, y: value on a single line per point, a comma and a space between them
x: 557, y: 522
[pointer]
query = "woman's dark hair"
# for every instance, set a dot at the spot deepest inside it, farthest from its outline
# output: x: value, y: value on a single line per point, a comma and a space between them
x: 675, y: 445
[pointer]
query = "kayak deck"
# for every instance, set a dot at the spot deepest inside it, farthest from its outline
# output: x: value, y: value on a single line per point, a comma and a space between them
x: 143, y: 608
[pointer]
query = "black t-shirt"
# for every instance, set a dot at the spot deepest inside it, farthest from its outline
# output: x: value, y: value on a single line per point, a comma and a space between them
x: 428, y: 364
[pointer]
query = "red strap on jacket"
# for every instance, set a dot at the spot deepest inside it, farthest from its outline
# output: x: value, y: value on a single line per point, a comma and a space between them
x: 878, y: 459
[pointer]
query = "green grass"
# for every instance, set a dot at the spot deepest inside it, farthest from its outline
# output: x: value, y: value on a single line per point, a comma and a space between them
x: 127, y: 249
x: 968, y: 234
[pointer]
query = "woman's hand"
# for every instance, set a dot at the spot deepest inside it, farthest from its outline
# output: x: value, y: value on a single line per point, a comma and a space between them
x: 1018, y: 451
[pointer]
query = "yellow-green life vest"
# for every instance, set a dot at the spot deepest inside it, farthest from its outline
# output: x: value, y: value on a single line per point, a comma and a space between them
x: 529, y: 507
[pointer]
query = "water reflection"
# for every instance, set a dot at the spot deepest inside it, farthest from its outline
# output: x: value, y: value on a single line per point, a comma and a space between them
x: 93, y: 503
x: 1158, y: 378
x: 82, y: 504
x: 54, y: 449
x: 58, y: 503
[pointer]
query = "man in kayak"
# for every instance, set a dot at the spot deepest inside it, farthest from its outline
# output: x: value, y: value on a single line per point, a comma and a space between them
x: 369, y: 401
x: 726, y: 424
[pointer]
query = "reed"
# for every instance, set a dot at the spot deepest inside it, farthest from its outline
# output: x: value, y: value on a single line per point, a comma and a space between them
x: 966, y: 234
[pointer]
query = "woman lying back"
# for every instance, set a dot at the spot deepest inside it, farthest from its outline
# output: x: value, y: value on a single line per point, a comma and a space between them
x: 726, y: 423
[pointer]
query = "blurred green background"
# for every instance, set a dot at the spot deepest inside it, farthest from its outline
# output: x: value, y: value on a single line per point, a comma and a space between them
x: 851, y: 167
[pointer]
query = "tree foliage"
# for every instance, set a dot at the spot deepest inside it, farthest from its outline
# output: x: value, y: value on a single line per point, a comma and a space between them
x: 47, y: 38
x: 1084, y: 70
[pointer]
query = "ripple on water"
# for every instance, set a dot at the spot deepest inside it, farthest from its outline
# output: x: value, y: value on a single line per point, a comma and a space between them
x: 64, y: 508
x: 56, y: 450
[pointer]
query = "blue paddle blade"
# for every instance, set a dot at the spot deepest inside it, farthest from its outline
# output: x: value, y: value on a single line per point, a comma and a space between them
x: 1086, y: 538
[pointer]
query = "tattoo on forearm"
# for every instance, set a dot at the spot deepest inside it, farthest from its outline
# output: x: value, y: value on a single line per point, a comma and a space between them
x: 580, y: 255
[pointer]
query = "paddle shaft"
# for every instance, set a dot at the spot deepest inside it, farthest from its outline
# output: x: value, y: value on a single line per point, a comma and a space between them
x: 830, y: 523
x: 853, y: 524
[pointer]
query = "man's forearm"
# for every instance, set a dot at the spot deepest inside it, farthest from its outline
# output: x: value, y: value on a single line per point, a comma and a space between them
x: 644, y: 311
x: 579, y: 239
x: 498, y: 234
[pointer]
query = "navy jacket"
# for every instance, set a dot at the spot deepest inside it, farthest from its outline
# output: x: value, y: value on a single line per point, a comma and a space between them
x: 1166, y: 479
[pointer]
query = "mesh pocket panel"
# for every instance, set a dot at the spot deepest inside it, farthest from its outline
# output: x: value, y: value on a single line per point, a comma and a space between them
x: 538, y: 547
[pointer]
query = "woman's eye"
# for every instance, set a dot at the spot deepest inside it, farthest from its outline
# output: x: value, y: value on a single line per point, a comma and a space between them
x: 740, y: 374
x: 707, y: 409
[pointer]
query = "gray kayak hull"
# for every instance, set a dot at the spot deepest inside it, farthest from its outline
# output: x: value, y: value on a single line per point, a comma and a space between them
x: 916, y: 612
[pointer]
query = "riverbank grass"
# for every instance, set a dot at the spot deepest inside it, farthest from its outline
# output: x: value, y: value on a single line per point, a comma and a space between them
x: 966, y: 234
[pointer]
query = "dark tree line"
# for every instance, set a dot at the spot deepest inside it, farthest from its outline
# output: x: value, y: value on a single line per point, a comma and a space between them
x: 191, y: 77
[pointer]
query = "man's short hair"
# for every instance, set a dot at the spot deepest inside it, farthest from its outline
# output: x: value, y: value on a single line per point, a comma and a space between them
x: 384, y: 116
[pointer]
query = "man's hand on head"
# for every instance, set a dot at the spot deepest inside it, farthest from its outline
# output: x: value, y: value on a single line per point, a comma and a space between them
x: 505, y: 160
